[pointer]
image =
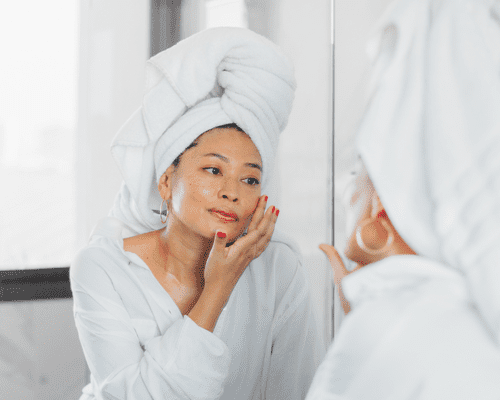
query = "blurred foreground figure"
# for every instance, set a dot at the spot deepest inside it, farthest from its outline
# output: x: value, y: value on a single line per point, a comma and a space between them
x: 425, y: 297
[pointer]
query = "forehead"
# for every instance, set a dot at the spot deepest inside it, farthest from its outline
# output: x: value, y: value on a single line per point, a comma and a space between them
x: 228, y: 142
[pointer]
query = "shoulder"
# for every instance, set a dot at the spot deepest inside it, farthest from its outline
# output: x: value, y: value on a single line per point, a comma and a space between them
x: 142, y: 243
x: 95, y: 262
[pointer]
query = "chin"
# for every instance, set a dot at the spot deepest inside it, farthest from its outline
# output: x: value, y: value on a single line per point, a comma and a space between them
x: 232, y: 231
x: 234, y: 234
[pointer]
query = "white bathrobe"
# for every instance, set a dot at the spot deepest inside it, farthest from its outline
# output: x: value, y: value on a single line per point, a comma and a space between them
x: 414, y: 333
x: 138, y: 345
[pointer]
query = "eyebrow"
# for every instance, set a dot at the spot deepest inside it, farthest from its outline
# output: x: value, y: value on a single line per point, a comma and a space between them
x: 225, y: 159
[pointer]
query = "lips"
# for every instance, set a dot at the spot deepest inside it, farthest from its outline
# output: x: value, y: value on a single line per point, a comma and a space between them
x: 224, y: 215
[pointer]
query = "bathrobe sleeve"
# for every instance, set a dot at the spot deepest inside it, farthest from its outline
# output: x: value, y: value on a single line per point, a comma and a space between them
x: 185, y: 362
x: 298, y: 345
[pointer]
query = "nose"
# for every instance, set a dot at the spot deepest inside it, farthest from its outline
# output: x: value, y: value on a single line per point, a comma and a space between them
x: 229, y: 190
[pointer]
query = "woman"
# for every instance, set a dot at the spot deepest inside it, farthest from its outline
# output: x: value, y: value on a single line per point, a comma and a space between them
x: 182, y: 293
x: 425, y: 318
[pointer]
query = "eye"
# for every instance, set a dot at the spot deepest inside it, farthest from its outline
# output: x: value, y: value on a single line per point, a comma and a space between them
x: 251, y: 181
x: 213, y: 170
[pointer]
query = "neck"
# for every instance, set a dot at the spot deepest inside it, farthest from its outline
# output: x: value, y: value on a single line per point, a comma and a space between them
x: 185, y: 253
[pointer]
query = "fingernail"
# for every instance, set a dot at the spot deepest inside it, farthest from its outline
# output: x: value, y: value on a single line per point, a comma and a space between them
x: 221, y: 235
x: 272, y: 210
x: 277, y: 212
x: 382, y: 214
x: 265, y: 199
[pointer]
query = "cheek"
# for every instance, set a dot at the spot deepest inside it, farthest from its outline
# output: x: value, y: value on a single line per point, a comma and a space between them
x: 249, y: 209
x: 353, y: 215
x: 185, y: 198
x: 189, y: 194
x: 178, y: 195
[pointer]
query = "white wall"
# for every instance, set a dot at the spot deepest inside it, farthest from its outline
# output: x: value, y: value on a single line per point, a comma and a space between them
x: 304, y: 179
x: 40, y: 354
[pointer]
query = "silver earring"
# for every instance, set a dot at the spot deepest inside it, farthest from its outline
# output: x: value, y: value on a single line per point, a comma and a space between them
x: 362, y: 245
x: 163, y: 212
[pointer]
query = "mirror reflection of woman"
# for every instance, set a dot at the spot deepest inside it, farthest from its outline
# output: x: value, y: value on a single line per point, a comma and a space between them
x: 185, y: 291
x: 423, y: 302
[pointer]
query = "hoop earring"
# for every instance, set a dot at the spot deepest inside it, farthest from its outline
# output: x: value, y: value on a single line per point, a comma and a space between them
x: 163, y: 212
x: 362, y: 245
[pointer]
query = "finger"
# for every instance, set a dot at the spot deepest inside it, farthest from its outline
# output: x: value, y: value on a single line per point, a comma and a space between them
x: 253, y: 236
x: 339, y: 269
x: 243, y: 243
x: 259, y: 213
x: 219, y: 245
x: 269, y: 218
x: 264, y: 240
x: 248, y: 243
x: 265, y: 225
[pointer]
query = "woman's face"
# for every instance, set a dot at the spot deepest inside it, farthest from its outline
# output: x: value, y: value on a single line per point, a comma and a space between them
x: 216, y: 185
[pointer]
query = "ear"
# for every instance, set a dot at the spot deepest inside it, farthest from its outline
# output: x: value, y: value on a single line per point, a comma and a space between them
x: 165, y: 184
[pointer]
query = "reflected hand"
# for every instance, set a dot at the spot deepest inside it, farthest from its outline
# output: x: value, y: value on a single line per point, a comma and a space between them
x: 339, y: 272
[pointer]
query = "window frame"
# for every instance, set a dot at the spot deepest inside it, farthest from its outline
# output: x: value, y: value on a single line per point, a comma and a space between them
x: 35, y: 284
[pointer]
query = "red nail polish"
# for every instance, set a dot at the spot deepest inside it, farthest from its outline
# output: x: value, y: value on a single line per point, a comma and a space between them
x: 265, y: 199
x: 272, y: 210
x: 382, y: 214
x: 277, y: 212
x: 221, y: 235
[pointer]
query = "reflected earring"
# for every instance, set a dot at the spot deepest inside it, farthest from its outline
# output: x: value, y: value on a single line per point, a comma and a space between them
x: 163, y: 212
x: 361, y: 243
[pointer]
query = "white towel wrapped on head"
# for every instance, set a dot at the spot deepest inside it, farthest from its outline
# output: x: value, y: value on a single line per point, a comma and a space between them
x: 216, y: 77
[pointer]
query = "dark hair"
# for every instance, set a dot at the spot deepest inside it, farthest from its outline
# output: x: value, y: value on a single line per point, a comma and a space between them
x: 177, y: 160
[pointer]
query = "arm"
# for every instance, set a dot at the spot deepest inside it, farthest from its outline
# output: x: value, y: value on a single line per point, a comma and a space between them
x: 186, y: 362
x: 339, y: 272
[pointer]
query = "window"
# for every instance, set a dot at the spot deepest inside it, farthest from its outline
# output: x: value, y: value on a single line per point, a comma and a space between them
x: 38, y: 81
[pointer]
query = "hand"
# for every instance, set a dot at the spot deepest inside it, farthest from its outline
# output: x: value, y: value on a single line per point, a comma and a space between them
x: 226, y: 264
x: 339, y: 272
